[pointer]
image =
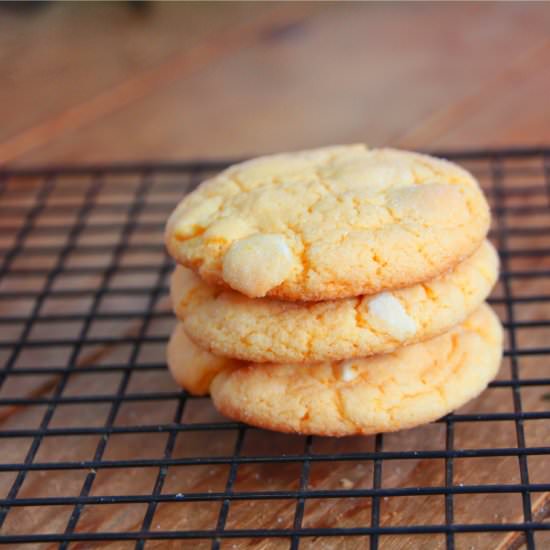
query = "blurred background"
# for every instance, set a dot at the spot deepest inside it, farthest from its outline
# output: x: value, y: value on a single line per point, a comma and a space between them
x: 130, y: 81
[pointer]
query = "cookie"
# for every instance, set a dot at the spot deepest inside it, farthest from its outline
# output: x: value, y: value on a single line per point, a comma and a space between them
x: 264, y: 330
x: 329, y: 223
x: 412, y: 386
x: 192, y: 367
x: 384, y: 393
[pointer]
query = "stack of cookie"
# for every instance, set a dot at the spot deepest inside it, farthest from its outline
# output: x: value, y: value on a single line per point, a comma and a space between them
x: 335, y: 291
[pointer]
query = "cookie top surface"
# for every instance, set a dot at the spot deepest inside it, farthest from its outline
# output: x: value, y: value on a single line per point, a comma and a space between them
x: 414, y: 385
x: 267, y: 330
x: 329, y: 223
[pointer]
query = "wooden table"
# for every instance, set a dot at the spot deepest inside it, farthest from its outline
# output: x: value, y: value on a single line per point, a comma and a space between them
x: 102, y: 83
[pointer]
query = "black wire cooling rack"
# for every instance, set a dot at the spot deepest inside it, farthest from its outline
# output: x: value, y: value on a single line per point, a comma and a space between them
x: 99, y: 448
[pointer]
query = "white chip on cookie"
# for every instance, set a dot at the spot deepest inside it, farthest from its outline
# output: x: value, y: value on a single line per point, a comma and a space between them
x: 256, y: 264
x: 194, y: 219
x: 228, y: 229
x: 348, y: 372
x: 387, y: 314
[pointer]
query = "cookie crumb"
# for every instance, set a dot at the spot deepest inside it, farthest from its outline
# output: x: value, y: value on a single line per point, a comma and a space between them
x: 348, y: 371
x: 346, y: 483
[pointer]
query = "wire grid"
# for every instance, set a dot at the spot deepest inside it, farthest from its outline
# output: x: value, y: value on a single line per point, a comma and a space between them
x: 98, y: 445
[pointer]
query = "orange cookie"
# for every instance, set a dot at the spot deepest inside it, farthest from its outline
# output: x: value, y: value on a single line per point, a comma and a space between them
x: 329, y: 223
x: 411, y: 386
x: 267, y: 330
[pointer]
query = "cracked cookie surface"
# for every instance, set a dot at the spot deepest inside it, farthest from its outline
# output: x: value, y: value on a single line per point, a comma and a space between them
x: 411, y: 386
x: 267, y: 330
x: 329, y: 223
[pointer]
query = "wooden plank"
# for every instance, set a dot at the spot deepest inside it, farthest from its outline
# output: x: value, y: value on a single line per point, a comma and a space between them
x: 230, y: 33
x: 323, y: 79
x: 509, y: 117
x: 497, y: 114
x: 109, y: 45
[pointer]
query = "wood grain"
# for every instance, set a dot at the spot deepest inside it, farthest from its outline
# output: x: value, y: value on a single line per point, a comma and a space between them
x: 290, y: 79
x: 233, y: 35
x: 216, y: 80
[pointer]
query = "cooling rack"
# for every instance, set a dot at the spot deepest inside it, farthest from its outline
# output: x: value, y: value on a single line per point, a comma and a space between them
x: 98, y: 448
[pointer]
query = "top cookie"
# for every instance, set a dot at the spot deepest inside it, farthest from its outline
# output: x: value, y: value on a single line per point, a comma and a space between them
x: 329, y: 223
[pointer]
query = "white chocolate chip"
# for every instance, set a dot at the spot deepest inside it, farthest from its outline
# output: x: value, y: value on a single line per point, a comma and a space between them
x: 372, y: 172
x: 348, y: 371
x: 256, y: 264
x: 432, y: 204
x: 190, y: 220
x: 229, y: 229
x: 263, y: 169
x: 387, y: 314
